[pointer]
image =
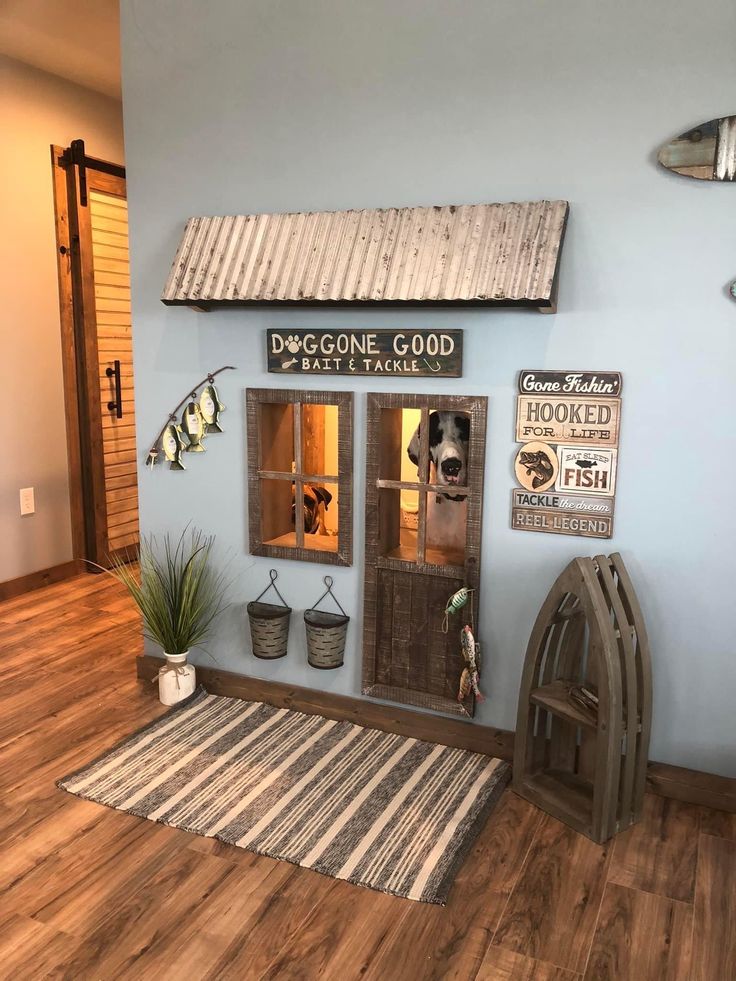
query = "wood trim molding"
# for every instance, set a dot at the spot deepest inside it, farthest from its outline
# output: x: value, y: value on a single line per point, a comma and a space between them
x: 68, y: 352
x: 691, y: 786
x: 387, y: 718
x: 44, y: 577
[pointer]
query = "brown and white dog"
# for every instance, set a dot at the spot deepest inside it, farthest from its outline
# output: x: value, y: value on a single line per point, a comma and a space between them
x: 315, y: 503
x: 449, y: 435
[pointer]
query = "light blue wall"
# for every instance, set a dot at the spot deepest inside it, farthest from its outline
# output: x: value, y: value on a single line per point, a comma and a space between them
x: 238, y: 107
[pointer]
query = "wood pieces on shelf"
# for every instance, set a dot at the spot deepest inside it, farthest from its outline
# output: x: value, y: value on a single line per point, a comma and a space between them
x: 583, y: 764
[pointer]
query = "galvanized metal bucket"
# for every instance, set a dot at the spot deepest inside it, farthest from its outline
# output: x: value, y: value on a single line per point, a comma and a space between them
x: 269, y: 624
x: 326, y: 633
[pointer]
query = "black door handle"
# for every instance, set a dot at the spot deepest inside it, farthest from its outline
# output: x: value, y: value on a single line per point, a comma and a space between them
x: 117, y: 405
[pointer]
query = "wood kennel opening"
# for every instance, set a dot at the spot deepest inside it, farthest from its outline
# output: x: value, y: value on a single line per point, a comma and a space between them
x: 423, y: 541
x: 300, y: 474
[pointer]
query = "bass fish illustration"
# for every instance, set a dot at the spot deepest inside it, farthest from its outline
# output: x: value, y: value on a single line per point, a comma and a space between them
x: 173, y: 446
x: 539, y: 465
x: 210, y: 406
x: 192, y: 422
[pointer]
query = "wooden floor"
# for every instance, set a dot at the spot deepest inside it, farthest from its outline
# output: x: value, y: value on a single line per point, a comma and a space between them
x: 92, y: 893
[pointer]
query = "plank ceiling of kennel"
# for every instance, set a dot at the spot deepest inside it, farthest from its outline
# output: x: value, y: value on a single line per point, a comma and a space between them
x: 495, y: 254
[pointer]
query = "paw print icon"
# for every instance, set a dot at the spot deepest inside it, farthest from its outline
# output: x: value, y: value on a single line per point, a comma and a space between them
x: 293, y: 344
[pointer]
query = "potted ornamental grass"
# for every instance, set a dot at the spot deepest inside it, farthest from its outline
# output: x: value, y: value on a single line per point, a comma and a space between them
x: 180, y: 595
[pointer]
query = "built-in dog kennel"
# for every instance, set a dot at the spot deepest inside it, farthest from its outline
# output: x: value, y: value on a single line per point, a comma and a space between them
x: 424, y: 502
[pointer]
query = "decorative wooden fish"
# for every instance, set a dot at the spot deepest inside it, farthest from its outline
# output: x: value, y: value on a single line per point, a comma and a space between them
x: 706, y: 152
x: 211, y: 407
x: 173, y: 446
x: 192, y: 422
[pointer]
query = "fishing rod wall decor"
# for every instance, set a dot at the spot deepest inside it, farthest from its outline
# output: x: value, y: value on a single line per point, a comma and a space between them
x: 200, y: 418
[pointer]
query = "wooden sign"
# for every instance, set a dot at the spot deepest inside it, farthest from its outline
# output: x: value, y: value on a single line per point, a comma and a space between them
x: 568, y: 423
x: 400, y: 353
x: 568, y: 420
x: 586, y: 470
x: 559, y: 523
x: 562, y: 502
x: 604, y: 384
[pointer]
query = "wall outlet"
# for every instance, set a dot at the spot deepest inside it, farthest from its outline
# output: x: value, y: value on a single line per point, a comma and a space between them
x: 27, y: 501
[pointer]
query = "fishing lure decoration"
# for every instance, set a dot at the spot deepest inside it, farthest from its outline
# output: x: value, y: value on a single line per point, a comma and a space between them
x: 201, y: 416
x: 470, y: 678
x: 456, y: 602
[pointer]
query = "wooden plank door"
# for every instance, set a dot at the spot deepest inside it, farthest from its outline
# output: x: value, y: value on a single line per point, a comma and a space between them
x: 92, y: 234
x: 422, y: 544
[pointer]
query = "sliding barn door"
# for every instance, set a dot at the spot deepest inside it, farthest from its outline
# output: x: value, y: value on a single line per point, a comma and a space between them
x: 99, y: 371
x: 422, y: 545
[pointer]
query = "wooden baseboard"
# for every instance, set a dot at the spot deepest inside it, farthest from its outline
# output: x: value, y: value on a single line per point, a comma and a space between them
x: 692, y: 786
x: 404, y: 722
x: 35, y: 580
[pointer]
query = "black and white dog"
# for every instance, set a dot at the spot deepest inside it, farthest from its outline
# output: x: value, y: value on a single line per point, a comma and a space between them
x: 449, y: 435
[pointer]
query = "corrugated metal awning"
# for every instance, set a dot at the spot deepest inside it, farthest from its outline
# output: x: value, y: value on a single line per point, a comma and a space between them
x: 498, y: 254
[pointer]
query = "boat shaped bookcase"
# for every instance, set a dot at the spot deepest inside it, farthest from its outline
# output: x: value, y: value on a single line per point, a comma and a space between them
x: 584, y: 766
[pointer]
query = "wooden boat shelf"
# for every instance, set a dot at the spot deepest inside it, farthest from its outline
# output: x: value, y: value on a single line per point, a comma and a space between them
x: 586, y: 767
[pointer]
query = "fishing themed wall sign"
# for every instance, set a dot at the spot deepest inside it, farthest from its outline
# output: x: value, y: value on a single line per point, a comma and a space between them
x: 568, y: 424
x: 186, y: 434
x: 379, y: 353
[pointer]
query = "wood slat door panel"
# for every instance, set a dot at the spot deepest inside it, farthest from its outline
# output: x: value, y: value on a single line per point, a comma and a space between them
x: 108, y: 214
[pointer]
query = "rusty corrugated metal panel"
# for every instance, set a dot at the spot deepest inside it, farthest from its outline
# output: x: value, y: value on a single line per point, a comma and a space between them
x: 472, y: 253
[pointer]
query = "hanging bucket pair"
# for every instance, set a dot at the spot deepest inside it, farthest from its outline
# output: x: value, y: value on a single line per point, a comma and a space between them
x: 269, y: 624
x: 326, y: 632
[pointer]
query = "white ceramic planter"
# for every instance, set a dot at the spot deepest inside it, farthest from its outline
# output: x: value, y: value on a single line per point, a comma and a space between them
x: 176, y: 680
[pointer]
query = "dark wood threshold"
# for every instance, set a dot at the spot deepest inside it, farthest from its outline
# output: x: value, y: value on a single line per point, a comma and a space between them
x: 387, y: 718
x: 691, y: 786
x: 44, y: 577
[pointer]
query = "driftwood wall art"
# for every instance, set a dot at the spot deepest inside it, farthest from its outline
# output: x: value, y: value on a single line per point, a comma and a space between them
x: 706, y: 152
x: 492, y: 254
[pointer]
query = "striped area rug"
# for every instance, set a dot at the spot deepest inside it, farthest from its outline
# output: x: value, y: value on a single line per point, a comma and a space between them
x: 376, y: 809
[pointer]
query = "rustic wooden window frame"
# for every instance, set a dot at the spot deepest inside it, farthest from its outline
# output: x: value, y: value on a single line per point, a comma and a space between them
x: 476, y: 407
x: 256, y: 398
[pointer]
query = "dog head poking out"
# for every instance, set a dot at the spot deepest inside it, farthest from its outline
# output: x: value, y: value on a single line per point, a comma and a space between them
x: 449, y: 435
x: 316, y: 501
